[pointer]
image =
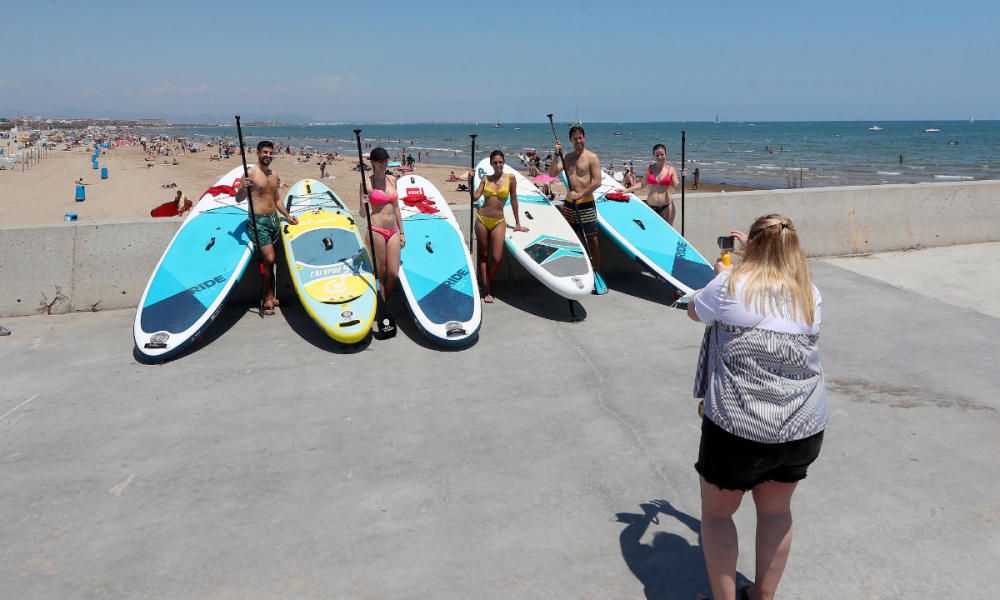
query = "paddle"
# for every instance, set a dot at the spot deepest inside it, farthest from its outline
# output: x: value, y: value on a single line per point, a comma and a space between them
x: 385, y: 325
x: 683, y: 176
x: 252, y: 220
x: 600, y: 287
x: 472, y: 192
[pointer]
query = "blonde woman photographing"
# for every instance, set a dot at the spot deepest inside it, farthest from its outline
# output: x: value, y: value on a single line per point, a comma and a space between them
x: 764, y: 400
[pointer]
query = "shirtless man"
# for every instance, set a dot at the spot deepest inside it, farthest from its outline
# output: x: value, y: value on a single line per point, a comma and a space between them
x: 263, y: 183
x: 583, y: 169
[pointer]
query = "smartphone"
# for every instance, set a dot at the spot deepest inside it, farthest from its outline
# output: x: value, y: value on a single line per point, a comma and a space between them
x: 726, y: 242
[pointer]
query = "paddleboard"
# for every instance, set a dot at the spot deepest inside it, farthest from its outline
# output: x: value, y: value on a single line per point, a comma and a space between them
x: 200, y: 267
x: 436, y: 270
x: 550, y: 249
x: 649, y: 240
x: 330, y: 266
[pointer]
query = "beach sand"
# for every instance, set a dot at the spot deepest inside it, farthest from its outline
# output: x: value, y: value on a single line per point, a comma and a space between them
x: 43, y: 193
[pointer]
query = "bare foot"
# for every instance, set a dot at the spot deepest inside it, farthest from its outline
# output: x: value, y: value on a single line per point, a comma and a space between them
x: 488, y: 298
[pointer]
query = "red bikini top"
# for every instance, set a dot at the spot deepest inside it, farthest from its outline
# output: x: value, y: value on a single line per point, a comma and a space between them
x: 666, y: 181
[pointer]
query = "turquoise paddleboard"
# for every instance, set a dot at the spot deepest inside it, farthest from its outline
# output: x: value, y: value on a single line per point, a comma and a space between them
x: 649, y: 240
x: 196, y: 273
x: 436, y: 271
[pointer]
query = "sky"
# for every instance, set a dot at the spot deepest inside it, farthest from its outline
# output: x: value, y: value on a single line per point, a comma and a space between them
x: 306, y: 61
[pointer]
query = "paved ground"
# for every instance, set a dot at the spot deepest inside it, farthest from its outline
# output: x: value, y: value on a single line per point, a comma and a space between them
x: 266, y: 463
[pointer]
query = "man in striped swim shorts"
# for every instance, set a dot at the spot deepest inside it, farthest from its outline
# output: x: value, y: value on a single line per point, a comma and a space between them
x: 583, y: 170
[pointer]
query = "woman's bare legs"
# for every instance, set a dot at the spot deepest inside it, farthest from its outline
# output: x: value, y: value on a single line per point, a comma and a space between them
x: 482, y: 251
x: 379, y: 255
x: 392, y: 252
x: 774, y: 535
x: 719, y: 540
x: 669, y: 212
x: 495, y: 252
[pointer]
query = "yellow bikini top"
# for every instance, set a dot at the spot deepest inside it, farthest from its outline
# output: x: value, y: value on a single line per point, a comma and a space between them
x: 501, y: 193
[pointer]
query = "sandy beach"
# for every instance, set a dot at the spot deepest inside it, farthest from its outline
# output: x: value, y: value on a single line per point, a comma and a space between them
x: 43, y: 193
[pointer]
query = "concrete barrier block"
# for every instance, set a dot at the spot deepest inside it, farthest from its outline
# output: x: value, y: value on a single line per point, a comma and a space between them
x: 113, y: 261
x: 36, y: 270
x: 65, y: 267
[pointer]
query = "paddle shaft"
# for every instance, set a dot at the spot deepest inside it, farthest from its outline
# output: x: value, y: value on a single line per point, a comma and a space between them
x: 472, y: 193
x: 683, y: 176
x: 250, y: 212
x: 371, y: 235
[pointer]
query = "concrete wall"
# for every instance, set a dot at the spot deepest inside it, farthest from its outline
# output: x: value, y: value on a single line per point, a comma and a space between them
x: 79, y: 267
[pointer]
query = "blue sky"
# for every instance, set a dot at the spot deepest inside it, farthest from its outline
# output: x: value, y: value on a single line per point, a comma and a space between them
x: 459, y: 61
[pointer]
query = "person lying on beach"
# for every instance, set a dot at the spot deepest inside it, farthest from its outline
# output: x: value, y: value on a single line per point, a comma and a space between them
x: 661, y: 178
x: 263, y: 184
x: 452, y: 178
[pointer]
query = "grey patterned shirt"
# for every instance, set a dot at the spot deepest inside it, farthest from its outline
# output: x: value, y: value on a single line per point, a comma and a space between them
x: 761, y: 385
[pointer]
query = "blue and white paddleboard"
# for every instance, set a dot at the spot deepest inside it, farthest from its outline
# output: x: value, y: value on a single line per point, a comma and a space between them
x: 328, y: 262
x: 550, y: 250
x: 436, y: 272
x: 649, y: 240
x: 196, y: 273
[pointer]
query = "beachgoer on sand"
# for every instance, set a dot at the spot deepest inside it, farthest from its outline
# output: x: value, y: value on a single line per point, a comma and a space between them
x: 264, y: 183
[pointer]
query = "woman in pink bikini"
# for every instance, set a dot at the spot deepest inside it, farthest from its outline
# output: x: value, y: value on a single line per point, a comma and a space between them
x: 386, y: 223
x: 662, y: 179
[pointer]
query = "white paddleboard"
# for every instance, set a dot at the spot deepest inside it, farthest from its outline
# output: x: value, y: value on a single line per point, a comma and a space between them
x: 550, y: 250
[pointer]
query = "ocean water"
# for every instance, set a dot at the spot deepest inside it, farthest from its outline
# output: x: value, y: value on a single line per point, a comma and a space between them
x: 810, y: 154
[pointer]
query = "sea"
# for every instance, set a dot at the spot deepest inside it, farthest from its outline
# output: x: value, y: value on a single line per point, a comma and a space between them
x: 759, y: 154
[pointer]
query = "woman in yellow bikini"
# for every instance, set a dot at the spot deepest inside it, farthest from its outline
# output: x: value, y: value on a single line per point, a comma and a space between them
x: 491, y: 226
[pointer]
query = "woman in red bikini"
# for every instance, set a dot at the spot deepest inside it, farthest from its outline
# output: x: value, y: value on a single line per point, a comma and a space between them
x: 386, y: 223
x: 662, y: 179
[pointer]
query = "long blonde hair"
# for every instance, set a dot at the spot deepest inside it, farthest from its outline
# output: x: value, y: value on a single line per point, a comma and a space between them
x: 774, y: 271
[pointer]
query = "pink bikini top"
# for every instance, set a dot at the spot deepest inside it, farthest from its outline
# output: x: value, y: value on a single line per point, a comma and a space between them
x: 380, y: 197
x: 666, y: 181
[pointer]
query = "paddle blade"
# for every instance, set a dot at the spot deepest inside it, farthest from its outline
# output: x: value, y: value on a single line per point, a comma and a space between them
x: 600, y: 288
x: 385, y: 325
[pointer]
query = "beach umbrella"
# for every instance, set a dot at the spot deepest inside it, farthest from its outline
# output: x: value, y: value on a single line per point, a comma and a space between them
x: 544, y: 178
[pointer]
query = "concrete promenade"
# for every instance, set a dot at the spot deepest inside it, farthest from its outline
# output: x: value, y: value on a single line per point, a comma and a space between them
x: 266, y: 464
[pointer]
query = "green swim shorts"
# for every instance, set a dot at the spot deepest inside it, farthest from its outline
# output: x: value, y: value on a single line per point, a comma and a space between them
x: 267, y: 229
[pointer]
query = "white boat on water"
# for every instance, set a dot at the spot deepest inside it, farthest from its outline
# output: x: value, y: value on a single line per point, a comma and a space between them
x: 874, y: 128
x: 932, y: 130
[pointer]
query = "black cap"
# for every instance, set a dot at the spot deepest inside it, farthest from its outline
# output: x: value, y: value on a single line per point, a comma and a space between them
x: 378, y: 154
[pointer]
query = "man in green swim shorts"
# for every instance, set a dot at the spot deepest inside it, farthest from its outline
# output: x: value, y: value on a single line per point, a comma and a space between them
x: 263, y: 183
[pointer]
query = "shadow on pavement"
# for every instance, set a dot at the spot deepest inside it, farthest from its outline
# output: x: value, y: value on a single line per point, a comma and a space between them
x: 669, y: 567
x: 303, y: 325
x: 539, y: 301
